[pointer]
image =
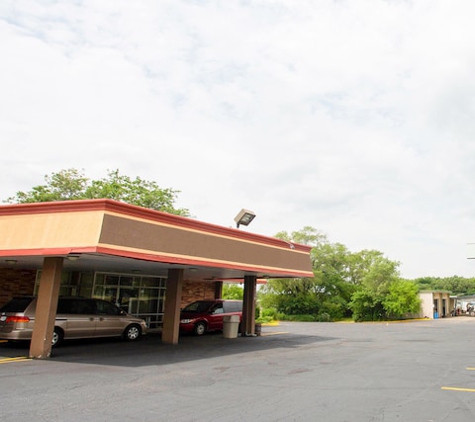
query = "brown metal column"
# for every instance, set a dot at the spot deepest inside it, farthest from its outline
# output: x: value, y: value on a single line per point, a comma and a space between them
x: 40, y: 347
x: 171, y: 316
x: 249, y: 305
x: 218, y: 290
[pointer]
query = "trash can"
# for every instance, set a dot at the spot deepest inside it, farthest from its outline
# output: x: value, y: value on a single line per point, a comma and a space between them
x: 230, y: 326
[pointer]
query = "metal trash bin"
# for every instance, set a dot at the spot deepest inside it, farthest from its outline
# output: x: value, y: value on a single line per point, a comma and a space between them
x: 230, y: 326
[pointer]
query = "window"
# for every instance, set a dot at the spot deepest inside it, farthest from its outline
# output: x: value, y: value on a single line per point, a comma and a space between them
x: 17, y: 304
x: 106, y: 308
x: 76, y: 306
x: 217, y: 309
x: 141, y: 296
x: 232, y: 307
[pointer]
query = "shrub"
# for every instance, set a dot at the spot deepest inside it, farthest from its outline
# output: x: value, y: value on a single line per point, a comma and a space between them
x: 299, y: 318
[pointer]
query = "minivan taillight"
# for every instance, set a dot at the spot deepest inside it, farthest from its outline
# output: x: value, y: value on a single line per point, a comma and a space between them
x: 17, y: 319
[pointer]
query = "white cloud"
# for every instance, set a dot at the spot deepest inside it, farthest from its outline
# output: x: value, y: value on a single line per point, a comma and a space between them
x: 350, y: 117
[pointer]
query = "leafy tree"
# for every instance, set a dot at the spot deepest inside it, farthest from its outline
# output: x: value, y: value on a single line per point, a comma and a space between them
x: 455, y: 284
x: 307, y: 236
x: 71, y: 184
x: 291, y: 296
x: 232, y: 292
x: 62, y: 186
x: 375, y: 275
x: 383, y: 294
x: 294, y: 296
x: 402, y: 298
x: 366, y: 306
x: 363, y: 284
x: 332, y: 269
x: 424, y: 283
x: 326, y: 295
x: 379, y: 272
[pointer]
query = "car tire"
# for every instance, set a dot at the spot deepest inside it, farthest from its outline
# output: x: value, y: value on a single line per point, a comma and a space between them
x: 132, y: 333
x: 200, y: 329
x: 58, y: 336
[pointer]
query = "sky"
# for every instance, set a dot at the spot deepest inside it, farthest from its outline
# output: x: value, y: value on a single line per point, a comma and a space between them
x: 354, y: 117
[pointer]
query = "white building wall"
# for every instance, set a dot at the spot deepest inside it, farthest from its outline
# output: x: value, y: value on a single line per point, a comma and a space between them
x: 428, y: 309
x: 427, y: 305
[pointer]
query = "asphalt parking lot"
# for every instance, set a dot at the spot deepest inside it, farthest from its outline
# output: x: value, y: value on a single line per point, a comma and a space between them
x: 413, y: 371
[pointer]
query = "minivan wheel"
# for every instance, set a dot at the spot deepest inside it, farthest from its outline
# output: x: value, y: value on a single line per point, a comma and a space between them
x: 200, y: 329
x: 57, y: 336
x: 132, y: 333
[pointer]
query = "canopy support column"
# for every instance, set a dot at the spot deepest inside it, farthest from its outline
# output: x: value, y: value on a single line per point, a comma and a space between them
x: 249, y: 305
x: 218, y: 290
x: 171, y: 316
x: 40, y: 346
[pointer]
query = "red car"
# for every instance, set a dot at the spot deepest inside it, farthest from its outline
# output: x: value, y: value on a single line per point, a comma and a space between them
x: 207, y: 315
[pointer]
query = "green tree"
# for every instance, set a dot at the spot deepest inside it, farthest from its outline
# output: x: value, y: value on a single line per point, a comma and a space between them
x: 455, y: 284
x: 62, y: 186
x: 71, y: 184
x: 424, y: 283
x: 232, y: 292
x: 382, y: 293
x: 332, y: 269
x: 326, y: 295
x: 366, y: 306
x: 364, y: 284
x: 291, y: 296
x: 307, y: 236
x: 402, y: 298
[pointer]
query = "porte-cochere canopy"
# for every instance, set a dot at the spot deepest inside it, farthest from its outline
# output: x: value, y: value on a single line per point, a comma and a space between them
x: 106, y: 235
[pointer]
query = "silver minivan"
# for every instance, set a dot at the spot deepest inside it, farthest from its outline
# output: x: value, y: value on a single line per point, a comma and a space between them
x: 75, y: 318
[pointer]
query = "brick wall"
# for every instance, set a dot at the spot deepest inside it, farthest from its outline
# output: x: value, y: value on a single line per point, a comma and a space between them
x: 197, y: 291
x: 15, y: 282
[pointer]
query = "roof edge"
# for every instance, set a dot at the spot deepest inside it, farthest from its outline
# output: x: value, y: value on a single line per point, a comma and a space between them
x: 109, y: 205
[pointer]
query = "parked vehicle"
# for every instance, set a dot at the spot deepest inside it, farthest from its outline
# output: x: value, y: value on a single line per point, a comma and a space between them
x: 75, y: 318
x: 207, y: 315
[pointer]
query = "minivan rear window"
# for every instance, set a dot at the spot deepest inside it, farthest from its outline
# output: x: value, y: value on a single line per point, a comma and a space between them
x: 199, y: 306
x: 232, y: 307
x: 17, y: 304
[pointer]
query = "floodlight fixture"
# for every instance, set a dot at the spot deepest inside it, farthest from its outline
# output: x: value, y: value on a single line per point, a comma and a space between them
x: 244, y: 217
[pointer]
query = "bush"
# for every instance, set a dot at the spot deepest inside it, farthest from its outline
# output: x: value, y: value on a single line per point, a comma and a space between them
x: 299, y: 318
x: 324, y: 317
x: 264, y: 315
x: 269, y: 313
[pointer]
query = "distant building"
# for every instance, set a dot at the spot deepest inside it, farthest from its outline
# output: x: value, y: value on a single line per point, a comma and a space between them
x: 436, y: 304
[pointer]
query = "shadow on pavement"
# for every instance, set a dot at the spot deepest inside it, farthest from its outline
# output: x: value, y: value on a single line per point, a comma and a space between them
x: 150, y: 351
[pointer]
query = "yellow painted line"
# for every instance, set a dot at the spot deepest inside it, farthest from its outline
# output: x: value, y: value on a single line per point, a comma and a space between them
x: 18, y: 359
x: 470, y: 369
x: 468, y: 390
x: 274, y: 334
x: 3, y: 341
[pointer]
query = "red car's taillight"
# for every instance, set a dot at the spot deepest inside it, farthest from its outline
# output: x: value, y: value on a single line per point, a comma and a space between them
x: 17, y: 319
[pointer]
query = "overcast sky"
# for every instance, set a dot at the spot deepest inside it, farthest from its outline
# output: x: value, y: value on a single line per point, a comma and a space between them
x: 354, y: 117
